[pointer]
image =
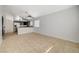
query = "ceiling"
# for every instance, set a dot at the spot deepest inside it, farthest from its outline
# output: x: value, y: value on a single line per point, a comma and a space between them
x: 34, y: 10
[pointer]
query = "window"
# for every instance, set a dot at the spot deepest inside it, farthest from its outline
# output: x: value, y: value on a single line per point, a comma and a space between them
x: 37, y: 23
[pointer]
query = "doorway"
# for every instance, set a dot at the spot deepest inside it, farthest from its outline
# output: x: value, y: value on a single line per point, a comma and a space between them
x: 3, y: 31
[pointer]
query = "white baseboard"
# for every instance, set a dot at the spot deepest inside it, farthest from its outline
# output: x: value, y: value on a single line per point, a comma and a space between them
x: 64, y: 38
x: 60, y: 37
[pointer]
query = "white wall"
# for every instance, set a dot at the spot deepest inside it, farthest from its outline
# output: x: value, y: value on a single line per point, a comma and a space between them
x: 0, y: 29
x: 0, y: 25
x: 62, y: 24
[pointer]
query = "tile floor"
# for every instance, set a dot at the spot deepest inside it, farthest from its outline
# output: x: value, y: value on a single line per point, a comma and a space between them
x: 36, y: 43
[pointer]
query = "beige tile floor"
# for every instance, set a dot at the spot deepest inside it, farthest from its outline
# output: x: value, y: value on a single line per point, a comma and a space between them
x: 36, y: 43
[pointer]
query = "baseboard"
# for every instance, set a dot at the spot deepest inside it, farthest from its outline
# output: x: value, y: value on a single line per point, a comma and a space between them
x: 59, y: 37
x: 64, y: 38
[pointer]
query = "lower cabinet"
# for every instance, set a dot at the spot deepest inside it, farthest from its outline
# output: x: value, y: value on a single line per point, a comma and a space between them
x: 25, y: 30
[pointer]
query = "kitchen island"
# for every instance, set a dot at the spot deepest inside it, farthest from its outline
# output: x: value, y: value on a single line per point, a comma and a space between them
x: 24, y: 30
